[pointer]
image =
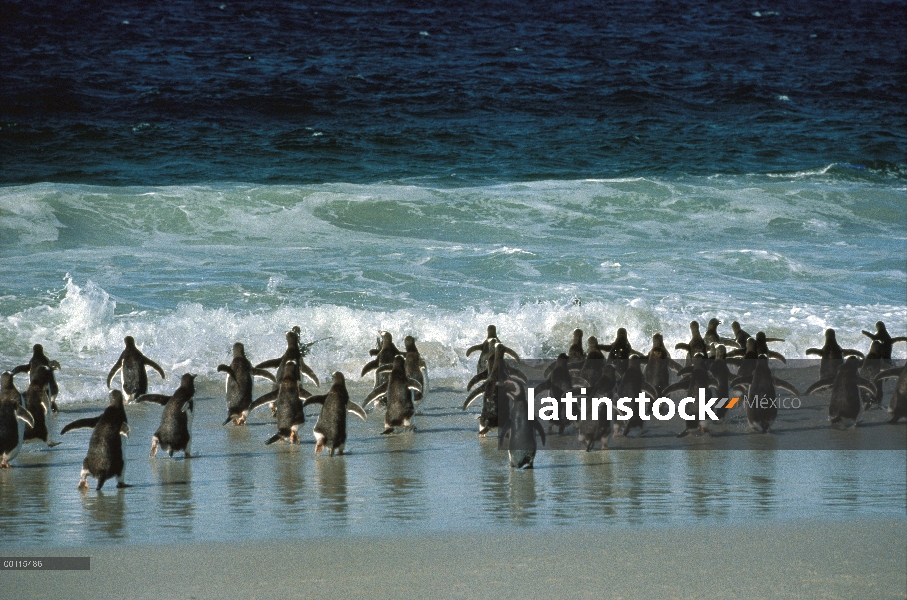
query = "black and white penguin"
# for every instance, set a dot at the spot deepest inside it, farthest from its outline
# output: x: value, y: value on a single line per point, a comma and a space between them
x: 330, y: 429
x: 575, y: 352
x: 712, y: 338
x: 395, y: 390
x: 14, y: 418
x: 659, y: 365
x: 39, y: 359
x: 695, y: 346
x: 591, y: 430
x: 632, y: 383
x: 845, y: 384
x: 37, y: 403
x: 832, y: 355
x: 761, y: 385
x: 415, y: 368
x: 239, y: 384
x: 486, y: 349
x: 517, y: 434
x: 173, y: 434
x: 105, y: 448
x: 384, y: 358
x: 884, y: 338
x: 292, y: 353
x: 620, y: 351
x: 132, y: 364
x: 558, y: 383
x: 496, y: 373
x: 287, y: 399
x: 722, y: 374
x: 897, y: 404
x: 741, y: 336
x: 696, y: 377
x: 871, y: 367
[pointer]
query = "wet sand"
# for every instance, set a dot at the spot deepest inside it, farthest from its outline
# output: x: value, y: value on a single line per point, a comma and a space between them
x: 803, y: 559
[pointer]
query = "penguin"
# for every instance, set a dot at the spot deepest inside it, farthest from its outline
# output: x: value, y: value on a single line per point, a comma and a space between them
x: 832, y: 355
x: 13, y: 420
x: 696, y: 377
x: 881, y: 335
x: 395, y: 390
x: 287, y: 399
x: 37, y: 403
x: 589, y: 430
x: 659, y: 365
x: 558, y: 383
x: 719, y: 370
x: 385, y: 357
x: 415, y: 368
x: 620, y: 350
x: 105, y: 448
x: 871, y: 366
x: 695, y: 346
x: 486, y: 349
x: 632, y: 383
x: 741, y: 336
x: 897, y: 404
x: 239, y: 384
x: 517, y: 434
x: 330, y: 429
x: 760, y: 394
x: 712, y: 338
x: 40, y: 359
x: 132, y: 364
x: 845, y: 385
x: 747, y: 363
x: 173, y: 434
x: 576, y: 353
x: 762, y: 347
x: 292, y: 353
x: 594, y: 363
x: 497, y: 372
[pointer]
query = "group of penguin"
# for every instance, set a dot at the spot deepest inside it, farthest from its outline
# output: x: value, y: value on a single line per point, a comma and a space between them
x: 401, y: 382
x: 853, y: 378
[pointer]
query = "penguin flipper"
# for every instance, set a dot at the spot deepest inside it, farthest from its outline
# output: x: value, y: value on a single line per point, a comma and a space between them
x: 78, y: 424
x: 784, y: 385
x: 512, y: 354
x: 865, y: 384
x: 315, y: 400
x: 110, y: 375
x: 269, y: 397
x: 676, y: 366
x: 777, y: 356
x: 26, y: 417
x: 156, y: 398
x: 376, y: 393
x: 189, y: 406
x: 852, y: 352
x: 472, y: 396
x: 682, y: 346
x: 820, y: 385
x: 900, y: 338
x: 21, y: 369
x: 538, y: 427
x: 517, y: 374
x: 369, y: 366
x: 768, y: 339
x: 155, y: 366
x: 414, y: 385
x: 475, y: 348
x: 273, y: 438
x: 356, y: 410
x: 478, y: 377
x: 677, y: 386
x: 265, y: 374
x: 685, y: 370
x: 889, y: 373
x: 814, y: 351
x: 647, y: 388
x: 226, y: 369
x: 308, y: 372
x: 124, y: 429
x: 269, y: 364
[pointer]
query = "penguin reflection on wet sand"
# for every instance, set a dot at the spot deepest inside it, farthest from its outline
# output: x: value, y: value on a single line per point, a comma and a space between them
x: 39, y: 359
x: 105, y: 448
x: 845, y: 384
x: 239, y: 384
x: 330, y: 429
x: 395, y: 391
x: 13, y: 420
x: 173, y: 435
x: 131, y: 364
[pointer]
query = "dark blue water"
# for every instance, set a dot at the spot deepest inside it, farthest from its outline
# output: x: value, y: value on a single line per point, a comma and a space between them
x: 187, y: 92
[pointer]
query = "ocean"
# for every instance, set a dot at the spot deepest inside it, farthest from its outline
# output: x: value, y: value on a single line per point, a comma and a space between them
x: 196, y: 175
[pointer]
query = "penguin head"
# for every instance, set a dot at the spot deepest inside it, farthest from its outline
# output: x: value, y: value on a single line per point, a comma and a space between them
x: 658, y: 341
x: 720, y: 352
x: 116, y: 398
x: 735, y: 327
x: 6, y: 380
x: 337, y: 378
x: 829, y: 335
x: 292, y: 338
x: 577, y: 336
x: 714, y: 323
x: 38, y: 350
x: 592, y: 342
x: 880, y: 327
x: 239, y: 351
x: 694, y: 326
x: 760, y: 336
x: 750, y: 344
x: 492, y: 332
x: 621, y: 334
x: 130, y: 341
x: 410, y: 343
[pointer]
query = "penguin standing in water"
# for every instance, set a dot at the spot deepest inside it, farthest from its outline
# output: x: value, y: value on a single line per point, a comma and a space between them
x: 591, y: 430
x: 517, y: 434
x: 239, y: 384
x: 497, y: 372
x: 330, y: 429
x: 39, y: 359
x: 846, y: 383
x: 712, y: 338
x: 696, y: 377
x: 105, y: 448
x: 884, y: 338
x: 37, y: 403
x: 415, y: 368
x: 173, y: 435
x: 13, y: 420
x: 292, y: 353
x: 400, y: 409
x: 132, y: 364
x: 832, y: 355
x: 695, y: 346
x: 632, y: 383
x: 897, y: 404
x: 659, y: 365
x: 383, y: 358
x: 486, y: 349
x: 287, y: 399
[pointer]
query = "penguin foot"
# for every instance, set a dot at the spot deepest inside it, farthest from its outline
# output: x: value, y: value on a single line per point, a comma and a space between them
x: 52, y: 444
x: 121, y: 485
x: 388, y: 431
x: 154, y: 446
x: 83, y: 484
